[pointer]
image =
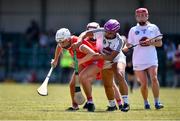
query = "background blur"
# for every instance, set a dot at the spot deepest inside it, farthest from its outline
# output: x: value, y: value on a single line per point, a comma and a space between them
x: 27, y: 29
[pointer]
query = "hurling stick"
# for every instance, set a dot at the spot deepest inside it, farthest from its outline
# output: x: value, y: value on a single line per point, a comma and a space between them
x: 154, y: 38
x: 42, y: 90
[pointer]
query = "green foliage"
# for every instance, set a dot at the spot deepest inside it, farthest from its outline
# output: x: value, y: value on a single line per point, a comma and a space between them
x: 21, y: 102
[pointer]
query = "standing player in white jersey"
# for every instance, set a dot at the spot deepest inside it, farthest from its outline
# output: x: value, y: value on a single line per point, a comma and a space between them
x: 111, y: 44
x: 145, y: 59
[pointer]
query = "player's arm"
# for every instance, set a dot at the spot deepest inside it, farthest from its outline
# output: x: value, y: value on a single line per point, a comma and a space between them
x: 83, y: 35
x: 56, y: 55
x: 111, y: 56
x: 89, y: 33
x: 127, y: 47
x: 157, y: 42
x: 128, y: 43
x: 89, y: 54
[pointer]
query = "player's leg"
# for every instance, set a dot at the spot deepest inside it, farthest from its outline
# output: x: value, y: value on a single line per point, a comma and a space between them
x: 72, y: 91
x: 117, y: 94
x: 155, y: 86
x: 86, y: 76
x: 131, y: 80
x: 119, y: 74
x: 142, y: 78
x: 107, y: 78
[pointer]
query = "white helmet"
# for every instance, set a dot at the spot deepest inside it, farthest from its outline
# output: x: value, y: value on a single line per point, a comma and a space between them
x: 92, y: 25
x: 62, y: 34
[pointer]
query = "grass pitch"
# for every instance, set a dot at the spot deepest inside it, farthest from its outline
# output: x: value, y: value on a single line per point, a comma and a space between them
x: 21, y: 102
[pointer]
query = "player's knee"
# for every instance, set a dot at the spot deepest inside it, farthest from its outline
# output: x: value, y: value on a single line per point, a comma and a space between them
x: 144, y: 87
x: 144, y: 84
x: 154, y: 79
x: 83, y: 78
x: 120, y: 75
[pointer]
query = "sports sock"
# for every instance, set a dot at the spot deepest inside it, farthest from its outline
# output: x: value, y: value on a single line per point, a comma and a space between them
x: 125, y: 99
x: 156, y: 100
x: 118, y: 102
x: 89, y: 100
x: 112, y: 103
x: 146, y: 102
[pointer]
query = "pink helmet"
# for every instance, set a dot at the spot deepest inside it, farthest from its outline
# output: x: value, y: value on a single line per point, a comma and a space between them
x: 112, y: 25
x: 142, y: 14
x: 141, y: 10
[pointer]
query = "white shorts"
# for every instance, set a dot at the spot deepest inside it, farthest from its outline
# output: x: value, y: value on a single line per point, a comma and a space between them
x: 120, y: 58
x: 143, y: 66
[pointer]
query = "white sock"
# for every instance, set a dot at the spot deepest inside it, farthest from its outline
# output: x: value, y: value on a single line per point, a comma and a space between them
x: 156, y: 100
x: 90, y: 101
x: 146, y: 102
x: 125, y: 98
x: 112, y: 103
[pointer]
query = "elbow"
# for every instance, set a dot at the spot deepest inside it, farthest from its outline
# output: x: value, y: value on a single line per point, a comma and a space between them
x: 160, y: 44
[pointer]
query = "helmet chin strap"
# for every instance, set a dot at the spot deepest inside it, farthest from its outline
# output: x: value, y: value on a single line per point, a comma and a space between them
x: 110, y: 37
x: 142, y: 23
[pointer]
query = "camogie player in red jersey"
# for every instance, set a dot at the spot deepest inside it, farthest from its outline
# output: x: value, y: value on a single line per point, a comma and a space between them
x: 93, y: 40
x: 88, y: 68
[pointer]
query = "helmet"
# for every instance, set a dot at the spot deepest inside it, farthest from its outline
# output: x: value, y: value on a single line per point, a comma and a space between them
x: 62, y: 34
x: 141, y: 10
x: 141, y: 14
x: 92, y: 25
x: 112, y: 25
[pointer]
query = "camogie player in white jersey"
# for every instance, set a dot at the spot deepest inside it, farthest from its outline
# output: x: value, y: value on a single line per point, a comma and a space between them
x: 110, y: 44
x: 144, y: 55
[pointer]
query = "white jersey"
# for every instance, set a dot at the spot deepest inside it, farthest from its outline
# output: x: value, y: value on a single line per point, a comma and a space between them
x: 109, y: 45
x: 143, y: 56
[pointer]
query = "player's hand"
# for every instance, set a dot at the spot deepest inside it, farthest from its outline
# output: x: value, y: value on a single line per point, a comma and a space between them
x: 72, y: 65
x: 144, y: 41
x: 53, y: 63
x: 97, y: 56
x: 125, y: 49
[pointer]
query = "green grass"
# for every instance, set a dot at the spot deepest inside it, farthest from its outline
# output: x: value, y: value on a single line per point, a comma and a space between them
x: 21, y: 102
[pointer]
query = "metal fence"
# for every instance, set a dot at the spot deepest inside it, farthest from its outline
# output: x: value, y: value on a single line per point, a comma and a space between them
x: 22, y: 63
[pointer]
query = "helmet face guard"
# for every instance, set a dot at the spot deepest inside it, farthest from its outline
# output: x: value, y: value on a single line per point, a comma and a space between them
x: 62, y: 34
x: 66, y: 43
x: 112, y: 25
x: 141, y: 15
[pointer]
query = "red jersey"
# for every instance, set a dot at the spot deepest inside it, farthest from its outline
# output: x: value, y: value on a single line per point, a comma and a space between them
x: 80, y: 54
x: 93, y: 42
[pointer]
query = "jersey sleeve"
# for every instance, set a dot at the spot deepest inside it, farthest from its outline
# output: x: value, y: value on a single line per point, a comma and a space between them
x: 130, y: 36
x: 156, y: 30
